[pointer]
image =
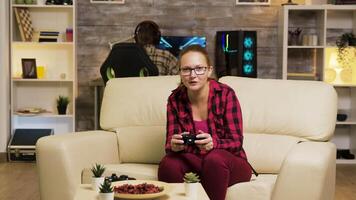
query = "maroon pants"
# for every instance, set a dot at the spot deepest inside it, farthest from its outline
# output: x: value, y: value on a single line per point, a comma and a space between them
x: 218, y: 169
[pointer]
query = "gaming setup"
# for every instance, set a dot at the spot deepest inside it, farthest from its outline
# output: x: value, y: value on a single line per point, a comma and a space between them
x: 235, y: 51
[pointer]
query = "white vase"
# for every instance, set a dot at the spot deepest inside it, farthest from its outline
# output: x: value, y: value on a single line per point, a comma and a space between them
x: 96, y: 182
x: 191, y: 190
x: 106, y: 196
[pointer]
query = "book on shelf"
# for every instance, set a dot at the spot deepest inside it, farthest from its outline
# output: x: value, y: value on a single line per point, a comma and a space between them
x: 48, y: 36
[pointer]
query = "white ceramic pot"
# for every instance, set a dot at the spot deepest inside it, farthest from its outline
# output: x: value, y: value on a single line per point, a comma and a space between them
x: 96, y: 182
x: 106, y: 196
x: 191, y: 190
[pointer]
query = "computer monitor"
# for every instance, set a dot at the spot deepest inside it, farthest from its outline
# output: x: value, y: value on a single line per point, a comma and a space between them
x: 175, y: 44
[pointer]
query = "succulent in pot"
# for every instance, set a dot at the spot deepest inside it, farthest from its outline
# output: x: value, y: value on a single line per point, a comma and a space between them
x: 97, y: 179
x: 106, y: 191
x: 191, y: 184
x: 62, y: 104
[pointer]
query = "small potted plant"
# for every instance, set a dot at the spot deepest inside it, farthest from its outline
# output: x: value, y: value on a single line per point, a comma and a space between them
x: 97, y: 179
x: 106, y: 191
x: 191, y: 181
x: 62, y: 103
x: 344, y: 41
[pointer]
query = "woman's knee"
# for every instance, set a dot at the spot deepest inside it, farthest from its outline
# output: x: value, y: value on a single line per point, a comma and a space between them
x: 215, y: 158
x: 170, y: 162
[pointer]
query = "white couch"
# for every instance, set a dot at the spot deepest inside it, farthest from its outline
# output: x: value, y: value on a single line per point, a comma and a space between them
x: 287, y: 125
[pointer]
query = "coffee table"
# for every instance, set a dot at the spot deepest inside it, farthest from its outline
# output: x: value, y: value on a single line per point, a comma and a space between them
x: 84, y: 192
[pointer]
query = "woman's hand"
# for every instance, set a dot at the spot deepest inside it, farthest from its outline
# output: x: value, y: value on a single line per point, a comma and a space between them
x: 177, y: 143
x: 205, y: 141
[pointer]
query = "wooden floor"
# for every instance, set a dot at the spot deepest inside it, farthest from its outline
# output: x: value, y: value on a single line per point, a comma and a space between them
x: 24, y: 176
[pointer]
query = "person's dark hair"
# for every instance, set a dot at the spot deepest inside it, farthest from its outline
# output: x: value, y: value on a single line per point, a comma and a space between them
x: 195, y: 48
x: 147, y: 32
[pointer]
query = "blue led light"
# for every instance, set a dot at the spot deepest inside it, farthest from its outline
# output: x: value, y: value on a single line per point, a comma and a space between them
x: 248, y: 69
x: 248, y: 42
x: 248, y: 55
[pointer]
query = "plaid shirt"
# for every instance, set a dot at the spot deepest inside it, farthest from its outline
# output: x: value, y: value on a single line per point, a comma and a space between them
x: 166, y: 63
x: 224, y: 118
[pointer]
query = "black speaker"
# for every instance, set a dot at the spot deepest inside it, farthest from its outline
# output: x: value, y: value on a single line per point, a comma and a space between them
x: 236, y: 53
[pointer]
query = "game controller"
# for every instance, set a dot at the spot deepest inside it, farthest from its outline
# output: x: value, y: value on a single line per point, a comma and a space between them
x: 114, y: 178
x: 189, y: 139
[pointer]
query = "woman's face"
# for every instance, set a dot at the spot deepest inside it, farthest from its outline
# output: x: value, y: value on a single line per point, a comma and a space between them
x: 194, y: 70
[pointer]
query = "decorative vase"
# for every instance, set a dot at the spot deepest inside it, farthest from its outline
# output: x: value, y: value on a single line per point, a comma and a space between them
x: 106, y: 196
x: 191, y: 190
x: 96, y: 182
x: 62, y: 110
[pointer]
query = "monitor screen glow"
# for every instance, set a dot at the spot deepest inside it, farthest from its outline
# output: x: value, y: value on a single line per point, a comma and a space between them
x: 175, y: 44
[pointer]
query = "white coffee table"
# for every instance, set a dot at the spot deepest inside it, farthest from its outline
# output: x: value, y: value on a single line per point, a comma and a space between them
x: 84, y: 192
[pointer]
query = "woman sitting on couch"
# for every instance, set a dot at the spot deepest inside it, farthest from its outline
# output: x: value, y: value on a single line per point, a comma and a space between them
x: 210, y: 112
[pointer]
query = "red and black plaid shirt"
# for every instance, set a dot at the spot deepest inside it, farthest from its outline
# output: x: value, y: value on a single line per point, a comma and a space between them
x: 224, y: 118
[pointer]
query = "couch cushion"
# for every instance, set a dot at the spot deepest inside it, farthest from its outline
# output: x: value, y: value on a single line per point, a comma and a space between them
x: 266, y: 152
x: 138, y: 171
x: 259, y: 188
x: 141, y: 144
x: 304, y: 109
x: 136, y: 101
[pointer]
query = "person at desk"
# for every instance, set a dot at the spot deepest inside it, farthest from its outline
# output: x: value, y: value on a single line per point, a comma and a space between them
x: 148, y: 34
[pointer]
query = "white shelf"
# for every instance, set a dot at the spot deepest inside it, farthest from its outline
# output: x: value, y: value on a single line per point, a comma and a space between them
x: 347, y: 122
x: 41, y: 6
x: 17, y: 43
x: 344, y: 161
x: 40, y: 80
x: 45, y: 115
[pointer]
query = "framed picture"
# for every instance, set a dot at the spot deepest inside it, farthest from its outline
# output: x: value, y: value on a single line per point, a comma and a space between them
x: 29, y: 68
x: 253, y: 2
x: 108, y: 1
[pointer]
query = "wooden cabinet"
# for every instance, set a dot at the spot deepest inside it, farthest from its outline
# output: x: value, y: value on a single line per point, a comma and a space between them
x: 55, y: 65
x: 313, y: 55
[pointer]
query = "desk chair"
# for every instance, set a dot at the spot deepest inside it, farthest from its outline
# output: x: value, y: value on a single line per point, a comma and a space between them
x: 127, y: 60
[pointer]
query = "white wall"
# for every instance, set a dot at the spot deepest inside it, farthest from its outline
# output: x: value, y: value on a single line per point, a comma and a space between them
x: 4, y: 74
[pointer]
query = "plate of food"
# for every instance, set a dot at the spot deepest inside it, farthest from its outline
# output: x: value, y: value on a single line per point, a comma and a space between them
x: 140, y: 189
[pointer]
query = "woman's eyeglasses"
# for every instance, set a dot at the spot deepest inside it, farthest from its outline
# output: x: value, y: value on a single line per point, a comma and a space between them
x: 187, y: 71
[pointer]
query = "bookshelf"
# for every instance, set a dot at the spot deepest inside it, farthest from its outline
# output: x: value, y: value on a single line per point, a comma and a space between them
x: 55, y: 66
x: 317, y: 61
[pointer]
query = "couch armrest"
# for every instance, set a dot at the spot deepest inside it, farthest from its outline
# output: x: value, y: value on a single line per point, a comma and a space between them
x: 61, y: 158
x: 307, y: 173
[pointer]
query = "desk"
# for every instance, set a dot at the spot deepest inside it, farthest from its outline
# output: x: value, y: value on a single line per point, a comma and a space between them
x: 98, y: 85
x: 84, y: 192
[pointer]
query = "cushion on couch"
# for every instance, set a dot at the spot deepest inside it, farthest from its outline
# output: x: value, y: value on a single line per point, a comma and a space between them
x: 266, y: 153
x: 126, y: 104
x: 141, y: 144
x: 286, y: 107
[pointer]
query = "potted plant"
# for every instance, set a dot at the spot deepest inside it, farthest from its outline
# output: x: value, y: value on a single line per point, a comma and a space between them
x: 97, y: 179
x: 344, y: 41
x: 191, y: 181
x: 106, y: 191
x: 62, y: 103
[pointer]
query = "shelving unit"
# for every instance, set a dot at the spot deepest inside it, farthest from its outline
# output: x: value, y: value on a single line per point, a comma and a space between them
x: 58, y: 61
x: 313, y: 56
